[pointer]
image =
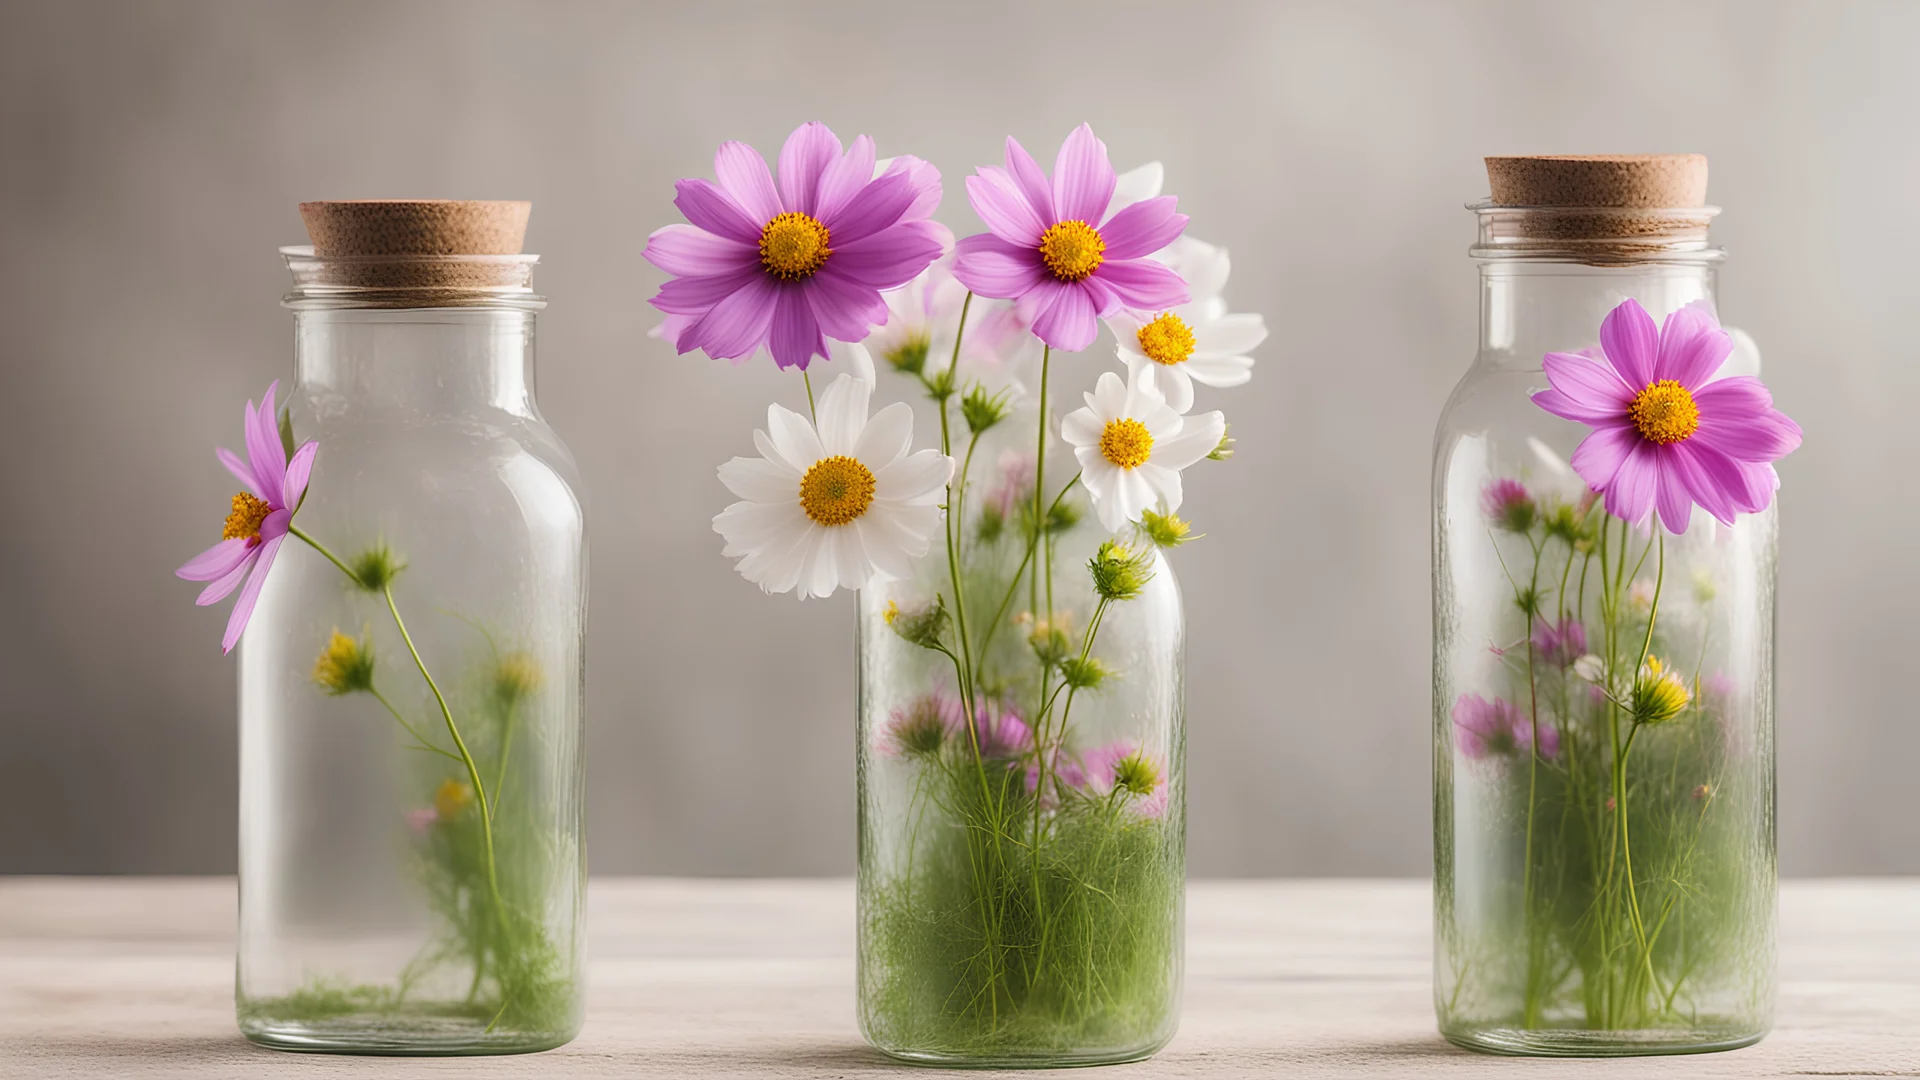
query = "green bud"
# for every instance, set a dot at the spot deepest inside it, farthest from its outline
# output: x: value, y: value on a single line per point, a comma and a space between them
x: 1136, y: 774
x: 375, y: 568
x: 1049, y: 642
x: 982, y: 410
x: 1165, y: 530
x: 910, y: 356
x: 1085, y: 674
x: 925, y: 626
x: 1119, y: 572
x: 992, y: 524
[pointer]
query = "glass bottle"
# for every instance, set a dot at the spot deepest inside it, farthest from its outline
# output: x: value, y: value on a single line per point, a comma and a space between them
x: 412, y: 866
x: 1021, y: 877
x: 1604, y: 873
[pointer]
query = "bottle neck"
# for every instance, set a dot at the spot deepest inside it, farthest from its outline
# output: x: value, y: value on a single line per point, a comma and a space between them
x: 1530, y: 307
x: 432, y: 361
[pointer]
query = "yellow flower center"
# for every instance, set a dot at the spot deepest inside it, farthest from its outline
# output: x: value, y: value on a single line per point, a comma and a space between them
x: 244, y: 522
x: 339, y: 663
x: 1167, y: 339
x: 1073, y: 250
x: 793, y: 246
x: 452, y: 798
x: 1664, y: 412
x: 1126, y: 442
x: 836, y: 490
x: 892, y: 612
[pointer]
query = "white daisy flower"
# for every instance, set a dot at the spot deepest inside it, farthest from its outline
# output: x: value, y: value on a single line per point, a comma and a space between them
x: 1132, y: 445
x: 837, y: 507
x: 1198, y: 341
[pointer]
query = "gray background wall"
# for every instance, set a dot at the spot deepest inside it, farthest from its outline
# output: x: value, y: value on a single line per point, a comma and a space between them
x: 151, y: 156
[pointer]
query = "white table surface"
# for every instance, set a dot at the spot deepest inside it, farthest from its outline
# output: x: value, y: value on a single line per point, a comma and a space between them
x: 134, y: 977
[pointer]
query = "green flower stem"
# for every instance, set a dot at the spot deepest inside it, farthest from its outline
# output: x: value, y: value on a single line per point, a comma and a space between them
x: 411, y: 730
x: 1620, y: 766
x: 331, y: 557
x: 807, y: 381
x: 1532, y: 1008
x: 1039, y: 479
x: 1013, y: 585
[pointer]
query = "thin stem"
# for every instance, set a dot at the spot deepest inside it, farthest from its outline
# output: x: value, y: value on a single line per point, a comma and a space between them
x: 1040, y: 477
x: 1013, y: 586
x: 411, y: 730
x: 466, y: 758
x: 812, y: 413
x: 331, y: 557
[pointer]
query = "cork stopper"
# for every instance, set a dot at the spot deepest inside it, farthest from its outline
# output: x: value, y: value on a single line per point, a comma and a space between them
x: 1604, y: 207
x: 419, y: 250
x: 1656, y: 181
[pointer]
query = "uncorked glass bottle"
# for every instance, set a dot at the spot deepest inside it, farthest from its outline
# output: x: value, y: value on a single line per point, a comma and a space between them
x: 412, y: 866
x: 1604, y: 551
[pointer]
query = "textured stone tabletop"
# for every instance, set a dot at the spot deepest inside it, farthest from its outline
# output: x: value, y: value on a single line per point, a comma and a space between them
x: 134, y: 977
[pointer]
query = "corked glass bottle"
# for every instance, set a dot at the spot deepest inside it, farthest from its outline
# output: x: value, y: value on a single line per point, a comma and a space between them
x: 1604, y: 872
x: 412, y: 868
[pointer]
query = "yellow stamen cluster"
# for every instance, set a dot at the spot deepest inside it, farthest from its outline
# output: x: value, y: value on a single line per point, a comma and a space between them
x: 1659, y: 695
x: 1664, y: 412
x: 344, y: 666
x: 451, y: 799
x: 1167, y: 339
x: 1072, y: 250
x: 793, y: 246
x: 1126, y: 442
x: 836, y: 490
x: 244, y: 522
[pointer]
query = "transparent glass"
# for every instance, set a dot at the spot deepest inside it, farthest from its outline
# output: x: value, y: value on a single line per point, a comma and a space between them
x: 1021, y: 878
x: 1604, y: 872
x: 412, y: 865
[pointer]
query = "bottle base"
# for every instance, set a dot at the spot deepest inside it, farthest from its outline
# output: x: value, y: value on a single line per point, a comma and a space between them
x: 394, y: 1038
x: 1016, y: 1059
x: 1573, y: 1042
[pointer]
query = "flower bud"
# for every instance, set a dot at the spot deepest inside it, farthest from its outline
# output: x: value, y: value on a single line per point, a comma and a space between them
x: 1119, y: 573
x: 345, y: 665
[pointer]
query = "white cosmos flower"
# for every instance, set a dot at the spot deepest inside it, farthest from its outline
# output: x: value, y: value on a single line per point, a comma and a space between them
x: 1199, y: 341
x: 922, y: 317
x: 839, y: 506
x: 1132, y: 445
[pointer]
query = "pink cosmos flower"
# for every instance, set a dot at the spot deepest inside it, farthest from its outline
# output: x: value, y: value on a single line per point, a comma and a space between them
x: 261, y: 514
x: 1064, y: 773
x: 789, y: 266
x: 1561, y: 643
x: 1123, y: 764
x: 1666, y: 434
x: 1506, y: 502
x: 1485, y: 728
x: 1052, y: 246
x: 1001, y: 732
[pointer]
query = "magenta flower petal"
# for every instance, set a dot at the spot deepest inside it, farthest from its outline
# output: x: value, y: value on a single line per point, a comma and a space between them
x: 227, y: 582
x: 877, y: 205
x: 297, y: 472
x: 1600, y: 455
x: 698, y: 294
x: 890, y: 258
x: 803, y: 160
x: 994, y: 196
x: 1631, y: 491
x: 215, y: 562
x: 714, y: 210
x: 264, y: 452
x: 845, y: 309
x: 992, y: 267
x: 1142, y: 284
x: 1143, y: 228
x: 1588, y: 391
x: 1671, y: 497
x: 794, y: 337
x: 737, y: 324
x: 1067, y: 318
x: 1692, y: 347
x: 1631, y: 342
x: 1708, y: 476
x: 241, y: 471
x: 924, y: 179
x: 846, y: 177
x: 694, y: 252
x: 743, y: 175
x: 1082, y: 179
x: 250, y: 595
x: 1031, y: 182
x: 1738, y: 417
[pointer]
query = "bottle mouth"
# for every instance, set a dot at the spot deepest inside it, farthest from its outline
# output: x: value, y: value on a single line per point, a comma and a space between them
x: 1595, y: 234
x: 410, y: 281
